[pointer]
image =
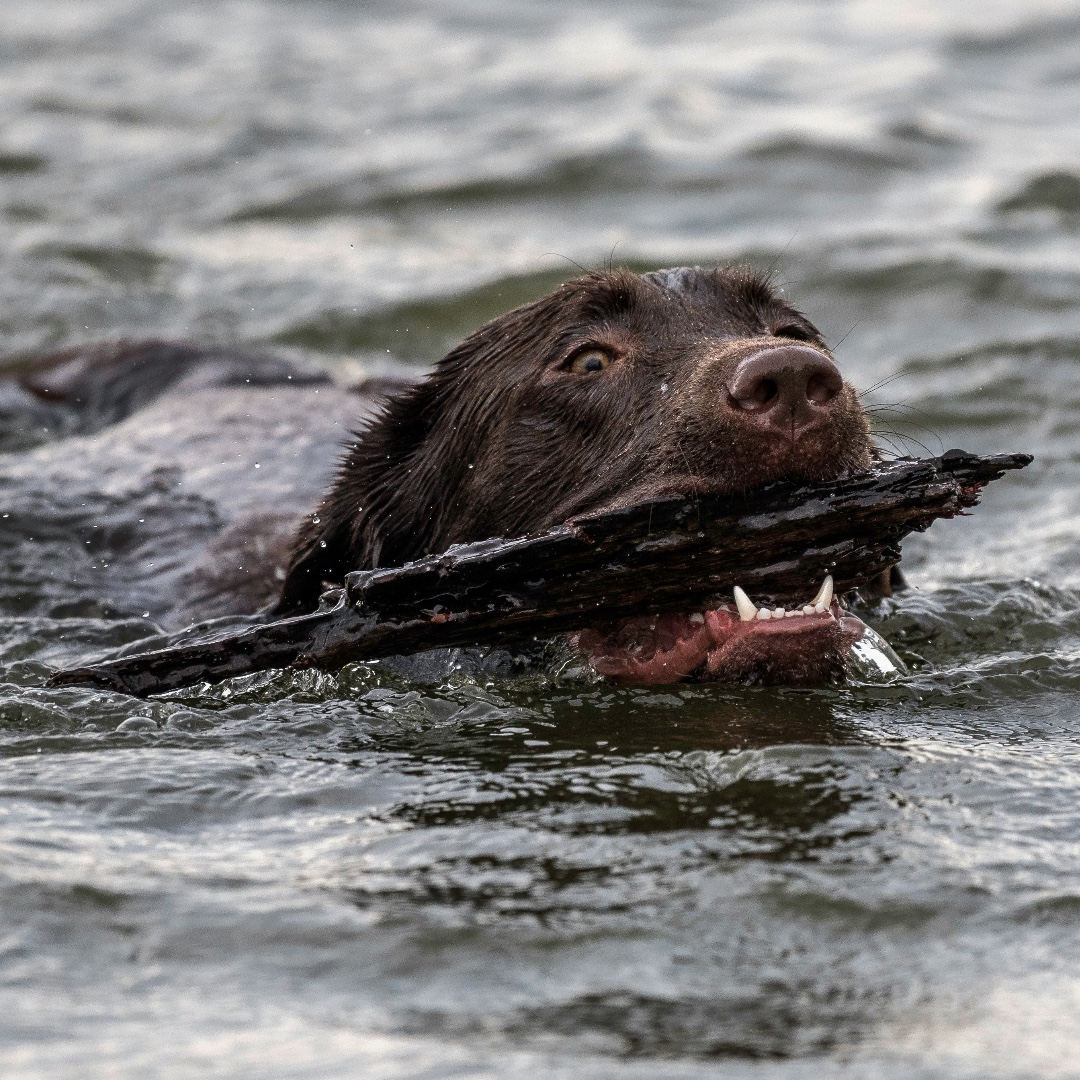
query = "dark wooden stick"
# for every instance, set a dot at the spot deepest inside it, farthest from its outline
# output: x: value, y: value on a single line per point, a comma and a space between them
x: 668, y: 554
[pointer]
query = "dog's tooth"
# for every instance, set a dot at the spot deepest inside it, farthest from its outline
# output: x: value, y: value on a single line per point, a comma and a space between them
x: 792, y: 614
x: 697, y: 618
x: 778, y: 613
x: 764, y: 613
x: 825, y: 594
x: 809, y: 609
x: 747, y: 608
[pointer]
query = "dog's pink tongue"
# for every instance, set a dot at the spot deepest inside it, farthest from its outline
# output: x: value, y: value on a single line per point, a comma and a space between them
x: 667, y: 648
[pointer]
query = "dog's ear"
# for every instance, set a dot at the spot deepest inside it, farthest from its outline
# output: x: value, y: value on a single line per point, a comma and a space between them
x: 377, y: 511
x: 399, y: 489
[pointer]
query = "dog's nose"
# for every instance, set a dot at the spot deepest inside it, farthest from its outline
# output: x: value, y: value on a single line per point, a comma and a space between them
x: 786, y: 387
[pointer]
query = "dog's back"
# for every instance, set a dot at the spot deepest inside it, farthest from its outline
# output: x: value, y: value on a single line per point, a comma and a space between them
x: 161, y: 478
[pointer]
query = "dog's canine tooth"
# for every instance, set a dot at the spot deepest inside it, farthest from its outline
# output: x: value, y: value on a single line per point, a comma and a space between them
x: 823, y: 600
x: 747, y: 608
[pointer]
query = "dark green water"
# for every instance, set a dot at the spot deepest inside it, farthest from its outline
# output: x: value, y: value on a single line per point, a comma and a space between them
x: 374, y: 876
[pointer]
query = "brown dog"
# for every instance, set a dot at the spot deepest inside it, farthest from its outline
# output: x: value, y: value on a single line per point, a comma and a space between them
x: 614, y: 388
x: 164, y: 479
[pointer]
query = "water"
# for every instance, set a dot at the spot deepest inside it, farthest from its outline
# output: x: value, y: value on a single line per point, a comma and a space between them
x: 374, y: 874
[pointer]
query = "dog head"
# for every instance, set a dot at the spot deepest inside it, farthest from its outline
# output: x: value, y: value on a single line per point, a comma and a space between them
x: 613, y: 388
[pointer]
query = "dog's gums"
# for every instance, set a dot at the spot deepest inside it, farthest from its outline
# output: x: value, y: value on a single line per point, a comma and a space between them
x: 800, y: 646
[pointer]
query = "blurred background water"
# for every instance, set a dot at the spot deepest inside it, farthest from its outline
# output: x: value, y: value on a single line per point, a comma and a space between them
x: 371, y: 875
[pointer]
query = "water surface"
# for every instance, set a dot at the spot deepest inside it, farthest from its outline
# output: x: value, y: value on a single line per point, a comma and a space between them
x: 471, y: 875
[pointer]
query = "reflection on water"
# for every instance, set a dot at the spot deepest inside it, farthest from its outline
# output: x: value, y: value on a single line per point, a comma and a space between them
x: 396, y: 872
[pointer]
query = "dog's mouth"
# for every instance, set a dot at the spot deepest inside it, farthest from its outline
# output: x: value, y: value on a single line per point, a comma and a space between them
x: 807, y: 645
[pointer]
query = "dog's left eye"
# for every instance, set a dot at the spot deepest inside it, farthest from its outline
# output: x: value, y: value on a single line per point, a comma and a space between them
x: 589, y: 360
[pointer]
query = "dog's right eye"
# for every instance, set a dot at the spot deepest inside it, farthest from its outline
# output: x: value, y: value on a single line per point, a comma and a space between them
x: 590, y: 360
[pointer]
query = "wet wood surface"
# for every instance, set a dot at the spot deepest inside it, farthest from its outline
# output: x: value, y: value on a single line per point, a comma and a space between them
x: 671, y: 554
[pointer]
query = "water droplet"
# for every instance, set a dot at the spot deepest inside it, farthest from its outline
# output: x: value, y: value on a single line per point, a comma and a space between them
x: 137, y: 723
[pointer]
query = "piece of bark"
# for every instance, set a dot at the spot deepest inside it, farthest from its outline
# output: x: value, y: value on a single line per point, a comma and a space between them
x: 670, y: 554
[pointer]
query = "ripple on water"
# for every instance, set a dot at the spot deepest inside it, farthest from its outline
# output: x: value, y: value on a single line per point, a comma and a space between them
x: 444, y: 867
